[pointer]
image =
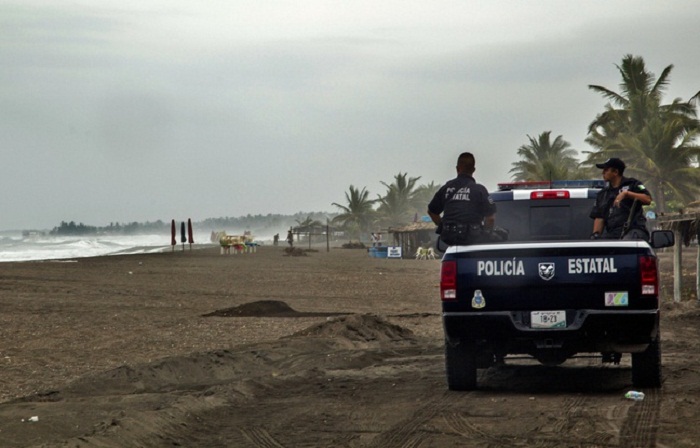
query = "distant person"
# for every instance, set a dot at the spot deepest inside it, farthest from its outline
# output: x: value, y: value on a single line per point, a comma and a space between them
x: 617, y: 213
x: 375, y: 239
x: 290, y: 238
x: 462, y: 209
x: 276, y: 239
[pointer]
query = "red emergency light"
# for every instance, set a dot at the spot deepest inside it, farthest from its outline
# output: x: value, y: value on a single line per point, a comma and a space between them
x: 550, y: 194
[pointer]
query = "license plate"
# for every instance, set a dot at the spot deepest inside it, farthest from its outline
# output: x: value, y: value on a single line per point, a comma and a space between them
x: 548, y: 319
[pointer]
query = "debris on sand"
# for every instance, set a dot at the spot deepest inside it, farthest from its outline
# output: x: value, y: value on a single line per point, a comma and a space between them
x: 294, y: 252
x: 354, y: 245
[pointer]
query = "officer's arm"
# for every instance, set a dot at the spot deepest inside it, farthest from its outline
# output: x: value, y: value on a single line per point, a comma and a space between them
x: 437, y: 219
x: 598, y: 225
x: 645, y: 199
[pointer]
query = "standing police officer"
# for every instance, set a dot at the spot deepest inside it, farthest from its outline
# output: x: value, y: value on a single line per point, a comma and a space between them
x: 617, y: 212
x: 466, y: 207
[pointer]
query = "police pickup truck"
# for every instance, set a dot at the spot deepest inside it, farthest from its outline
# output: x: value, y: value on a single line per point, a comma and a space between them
x: 549, y: 291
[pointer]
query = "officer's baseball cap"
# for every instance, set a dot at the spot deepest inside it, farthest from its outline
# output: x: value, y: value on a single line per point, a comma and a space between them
x: 613, y: 162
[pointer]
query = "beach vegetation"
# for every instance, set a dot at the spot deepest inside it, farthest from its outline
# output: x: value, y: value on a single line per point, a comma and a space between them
x: 403, y: 202
x: 546, y: 160
x: 309, y: 224
x: 357, y: 215
x: 72, y: 228
x: 656, y: 140
x: 259, y: 225
x: 400, y: 202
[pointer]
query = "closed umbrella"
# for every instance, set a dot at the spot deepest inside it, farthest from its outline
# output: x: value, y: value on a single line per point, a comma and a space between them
x: 173, y: 242
x: 189, y: 232
x: 183, y: 238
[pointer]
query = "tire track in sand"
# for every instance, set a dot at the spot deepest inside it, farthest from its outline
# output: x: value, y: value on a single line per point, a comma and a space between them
x: 407, y: 433
x: 639, y: 430
x: 573, y: 409
x: 460, y: 424
x: 260, y: 437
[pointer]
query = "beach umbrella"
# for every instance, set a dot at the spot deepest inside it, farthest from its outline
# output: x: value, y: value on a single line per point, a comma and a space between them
x: 173, y: 242
x: 189, y: 232
x: 183, y: 238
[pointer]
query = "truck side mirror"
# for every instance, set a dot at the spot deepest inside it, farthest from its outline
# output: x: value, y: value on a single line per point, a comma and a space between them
x: 662, y: 238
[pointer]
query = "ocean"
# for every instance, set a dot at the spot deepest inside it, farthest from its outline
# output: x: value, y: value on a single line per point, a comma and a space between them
x: 14, y: 246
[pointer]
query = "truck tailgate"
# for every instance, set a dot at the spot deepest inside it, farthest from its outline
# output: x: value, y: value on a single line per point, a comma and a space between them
x: 550, y: 276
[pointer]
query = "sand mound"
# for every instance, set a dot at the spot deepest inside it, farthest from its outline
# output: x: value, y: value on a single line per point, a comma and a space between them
x: 196, y: 370
x: 359, y: 328
x: 261, y: 308
x: 265, y: 308
x: 204, y: 369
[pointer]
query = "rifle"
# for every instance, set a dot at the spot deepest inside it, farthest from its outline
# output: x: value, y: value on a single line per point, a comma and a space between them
x: 626, y: 225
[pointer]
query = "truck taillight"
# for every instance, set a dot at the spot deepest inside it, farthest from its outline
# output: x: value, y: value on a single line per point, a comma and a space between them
x: 448, y: 280
x: 649, y: 275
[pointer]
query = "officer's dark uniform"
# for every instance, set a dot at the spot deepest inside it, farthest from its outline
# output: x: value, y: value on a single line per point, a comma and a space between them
x: 463, y: 204
x: 615, y: 218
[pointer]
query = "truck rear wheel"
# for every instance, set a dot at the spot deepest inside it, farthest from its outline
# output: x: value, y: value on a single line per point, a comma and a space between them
x: 646, y: 366
x: 460, y: 365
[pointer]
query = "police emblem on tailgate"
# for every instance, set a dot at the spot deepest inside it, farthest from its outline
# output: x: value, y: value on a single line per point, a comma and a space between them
x: 546, y: 270
x: 478, y: 300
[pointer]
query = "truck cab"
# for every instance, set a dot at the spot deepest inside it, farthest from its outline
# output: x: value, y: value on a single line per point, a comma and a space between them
x: 549, y: 291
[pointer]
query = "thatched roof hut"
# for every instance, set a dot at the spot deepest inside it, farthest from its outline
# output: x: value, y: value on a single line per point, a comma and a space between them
x: 412, y: 236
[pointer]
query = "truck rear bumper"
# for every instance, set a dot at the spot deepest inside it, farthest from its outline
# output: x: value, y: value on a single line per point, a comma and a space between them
x: 586, y: 330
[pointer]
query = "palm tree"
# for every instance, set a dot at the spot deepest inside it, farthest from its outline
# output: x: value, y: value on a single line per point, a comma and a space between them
x: 308, y: 225
x: 545, y: 160
x: 400, y: 203
x: 357, y: 216
x: 423, y: 195
x: 656, y: 140
x: 663, y: 155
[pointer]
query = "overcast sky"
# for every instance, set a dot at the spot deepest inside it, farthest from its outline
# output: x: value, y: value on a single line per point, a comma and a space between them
x: 121, y: 111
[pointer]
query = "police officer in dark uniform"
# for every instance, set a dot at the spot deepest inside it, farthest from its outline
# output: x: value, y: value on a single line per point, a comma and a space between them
x: 617, y: 213
x: 467, y: 209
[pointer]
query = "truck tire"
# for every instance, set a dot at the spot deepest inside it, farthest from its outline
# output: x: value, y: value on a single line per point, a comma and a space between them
x: 646, y: 366
x: 460, y: 365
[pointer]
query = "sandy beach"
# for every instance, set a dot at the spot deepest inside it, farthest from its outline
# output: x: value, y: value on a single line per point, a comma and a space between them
x: 333, y: 348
